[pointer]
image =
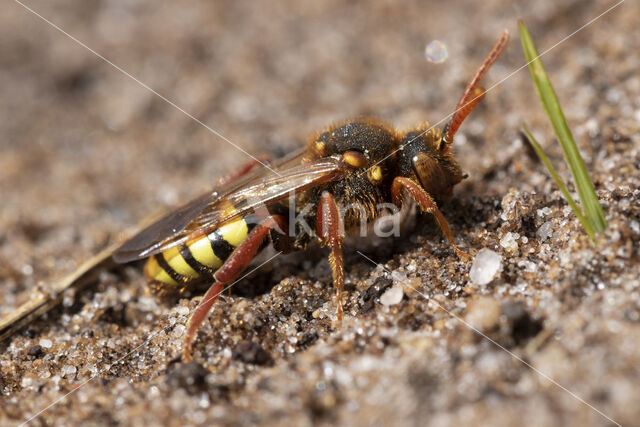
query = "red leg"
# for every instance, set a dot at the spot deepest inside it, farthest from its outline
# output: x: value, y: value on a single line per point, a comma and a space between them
x: 230, y: 270
x: 198, y: 316
x: 473, y: 93
x: 426, y: 203
x: 329, y: 228
x: 243, y: 170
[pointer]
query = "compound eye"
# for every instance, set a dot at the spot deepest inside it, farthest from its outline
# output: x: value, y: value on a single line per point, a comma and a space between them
x: 430, y: 173
x: 355, y: 159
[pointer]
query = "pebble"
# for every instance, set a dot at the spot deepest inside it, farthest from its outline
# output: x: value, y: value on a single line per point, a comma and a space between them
x: 178, y: 331
x: 543, y: 212
x: 545, y: 231
x: 485, y: 266
x: 483, y: 313
x: 392, y: 296
x: 510, y: 241
x: 68, y: 370
x: 35, y: 351
x: 45, y: 343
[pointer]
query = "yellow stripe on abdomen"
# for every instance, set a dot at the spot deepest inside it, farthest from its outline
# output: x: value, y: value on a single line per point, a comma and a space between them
x: 235, y: 232
x: 153, y: 271
x: 202, y: 252
x: 179, y: 265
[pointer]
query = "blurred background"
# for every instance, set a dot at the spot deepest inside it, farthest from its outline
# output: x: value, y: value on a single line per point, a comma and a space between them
x: 86, y: 152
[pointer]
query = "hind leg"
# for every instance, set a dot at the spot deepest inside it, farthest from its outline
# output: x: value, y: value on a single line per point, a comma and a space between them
x: 228, y: 273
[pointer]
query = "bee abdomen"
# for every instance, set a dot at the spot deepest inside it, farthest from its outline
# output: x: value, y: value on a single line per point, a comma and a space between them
x: 198, y: 259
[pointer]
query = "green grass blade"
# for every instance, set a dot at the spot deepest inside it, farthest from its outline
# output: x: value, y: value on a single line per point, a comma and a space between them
x: 538, y: 149
x: 586, y: 191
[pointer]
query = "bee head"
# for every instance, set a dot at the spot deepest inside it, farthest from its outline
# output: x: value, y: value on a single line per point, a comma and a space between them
x: 429, y: 161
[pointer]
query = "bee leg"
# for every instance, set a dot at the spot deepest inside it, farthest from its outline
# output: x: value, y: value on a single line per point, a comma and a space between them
x: 198, y: 316
x: 228, y: 273
x: 161, y: 290
x: 426, y: 204
x: 244, y: 169
x: 330, y: 229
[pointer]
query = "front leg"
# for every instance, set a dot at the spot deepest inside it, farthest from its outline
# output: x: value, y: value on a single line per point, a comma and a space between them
x: 426, y: 203
x: 331, y: 231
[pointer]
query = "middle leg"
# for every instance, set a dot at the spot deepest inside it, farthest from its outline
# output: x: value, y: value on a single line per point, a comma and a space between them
x: 331, y: 231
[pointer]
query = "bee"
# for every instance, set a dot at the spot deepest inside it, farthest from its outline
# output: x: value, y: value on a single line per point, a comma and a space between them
x: 364, y: 162
x: 297, y: 201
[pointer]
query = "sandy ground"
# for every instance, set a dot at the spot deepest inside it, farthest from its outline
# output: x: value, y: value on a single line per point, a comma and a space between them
x: 86, y: 153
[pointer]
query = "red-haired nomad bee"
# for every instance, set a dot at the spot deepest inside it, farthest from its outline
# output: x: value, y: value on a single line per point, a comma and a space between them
x: 364, y: 162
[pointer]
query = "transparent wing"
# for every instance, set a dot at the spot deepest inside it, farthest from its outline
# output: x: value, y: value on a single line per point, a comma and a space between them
x: 209, y: 211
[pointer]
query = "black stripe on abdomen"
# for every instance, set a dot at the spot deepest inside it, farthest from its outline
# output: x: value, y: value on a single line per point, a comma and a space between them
x: 169, y: 270
x: 193, y: 263
x: 220, y: 246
